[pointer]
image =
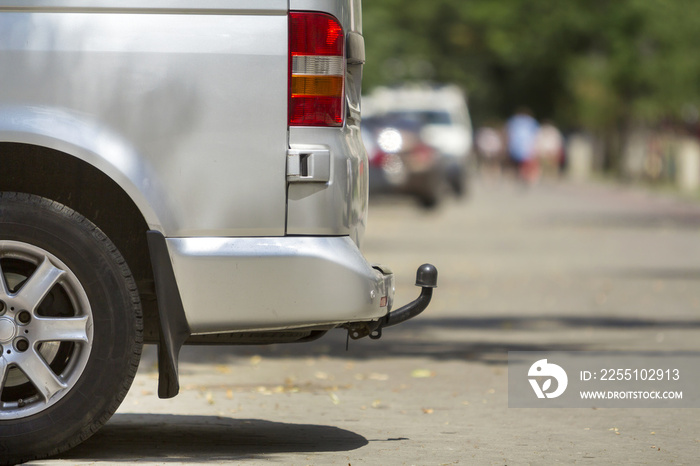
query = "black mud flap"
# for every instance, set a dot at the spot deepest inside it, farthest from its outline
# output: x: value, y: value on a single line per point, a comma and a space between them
x: 173, y: 327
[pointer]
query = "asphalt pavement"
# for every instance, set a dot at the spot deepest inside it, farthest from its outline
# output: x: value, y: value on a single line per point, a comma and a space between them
x: 557, y: 266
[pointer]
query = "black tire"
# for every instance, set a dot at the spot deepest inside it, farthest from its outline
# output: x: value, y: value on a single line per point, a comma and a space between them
x: 82, y: 322
x: 459, y: 179
x: 429, y: 201
x: 434, y: 189
x: 459, y: 183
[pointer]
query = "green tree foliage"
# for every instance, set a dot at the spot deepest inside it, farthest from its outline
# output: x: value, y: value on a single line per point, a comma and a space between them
x: 590, y: 63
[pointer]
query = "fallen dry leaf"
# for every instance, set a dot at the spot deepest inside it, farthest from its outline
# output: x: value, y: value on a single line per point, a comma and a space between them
x: 422, y: 373
x: 255, y: 360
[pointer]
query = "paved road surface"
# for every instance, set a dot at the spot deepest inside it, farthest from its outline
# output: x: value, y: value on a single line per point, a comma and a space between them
x: 558, y: 266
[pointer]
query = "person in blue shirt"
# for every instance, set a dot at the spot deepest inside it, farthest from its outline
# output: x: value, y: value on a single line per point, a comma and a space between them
x: 521, y: 130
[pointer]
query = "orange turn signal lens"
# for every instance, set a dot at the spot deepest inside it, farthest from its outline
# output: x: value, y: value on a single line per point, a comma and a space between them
x: 326, y: 86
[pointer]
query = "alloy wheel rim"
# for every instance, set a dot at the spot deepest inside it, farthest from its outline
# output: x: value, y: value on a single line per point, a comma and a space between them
x: 46, y: 329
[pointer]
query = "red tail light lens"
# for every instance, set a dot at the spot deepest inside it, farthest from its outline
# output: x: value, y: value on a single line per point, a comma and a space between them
x: 316, y: 70
x: 315, y: 34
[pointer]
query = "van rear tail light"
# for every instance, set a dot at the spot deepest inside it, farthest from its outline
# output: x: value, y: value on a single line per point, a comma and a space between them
x: 316, y: 70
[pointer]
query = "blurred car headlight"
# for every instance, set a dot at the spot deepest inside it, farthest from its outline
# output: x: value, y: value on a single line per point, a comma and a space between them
x: 390, y: 141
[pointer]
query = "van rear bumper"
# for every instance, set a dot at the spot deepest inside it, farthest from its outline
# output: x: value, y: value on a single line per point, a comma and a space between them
x: 244, y: 284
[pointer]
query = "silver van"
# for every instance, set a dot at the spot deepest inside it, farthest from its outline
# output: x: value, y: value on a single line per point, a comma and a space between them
x: 173, y: 172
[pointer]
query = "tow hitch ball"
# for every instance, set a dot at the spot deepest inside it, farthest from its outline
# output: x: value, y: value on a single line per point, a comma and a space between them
x: 426, y: 278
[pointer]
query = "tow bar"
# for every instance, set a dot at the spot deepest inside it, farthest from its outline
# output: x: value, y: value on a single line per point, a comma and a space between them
x: 426, y: 278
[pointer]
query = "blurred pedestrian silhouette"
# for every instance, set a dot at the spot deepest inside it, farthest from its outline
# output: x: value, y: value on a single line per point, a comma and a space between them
x: 522, y: 130
x: 491, y: 148
x: 549, y: 149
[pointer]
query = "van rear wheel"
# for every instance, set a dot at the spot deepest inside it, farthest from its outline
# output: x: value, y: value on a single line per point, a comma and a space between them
x: 70, y: 328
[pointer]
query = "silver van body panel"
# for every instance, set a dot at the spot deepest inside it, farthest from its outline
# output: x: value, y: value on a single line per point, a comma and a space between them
x: 200, y: 100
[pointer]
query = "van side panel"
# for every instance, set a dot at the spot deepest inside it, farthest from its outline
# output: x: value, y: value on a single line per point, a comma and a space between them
x: 339, y: 206
x: 199, y: 99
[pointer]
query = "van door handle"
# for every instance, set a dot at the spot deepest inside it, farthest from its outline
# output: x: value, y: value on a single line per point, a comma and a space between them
x: 308, y: 165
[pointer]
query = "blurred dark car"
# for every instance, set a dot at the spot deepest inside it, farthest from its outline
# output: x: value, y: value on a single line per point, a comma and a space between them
x: 400, y: 161
x: 445, y: 123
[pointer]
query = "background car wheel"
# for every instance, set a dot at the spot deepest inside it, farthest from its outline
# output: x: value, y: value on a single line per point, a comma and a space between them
x: 429, y: 201
x: 458, y: 182
x: 70, y: 328
x: 459, y: 176
x: 434, y: 189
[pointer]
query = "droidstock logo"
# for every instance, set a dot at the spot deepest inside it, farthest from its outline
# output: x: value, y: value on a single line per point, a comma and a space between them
x: 544, y: 370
